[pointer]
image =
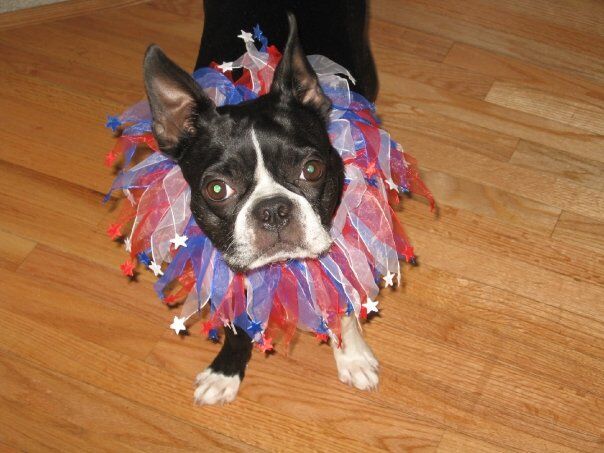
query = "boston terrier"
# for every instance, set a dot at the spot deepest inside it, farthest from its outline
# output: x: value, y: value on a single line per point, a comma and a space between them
x: 265, y: 181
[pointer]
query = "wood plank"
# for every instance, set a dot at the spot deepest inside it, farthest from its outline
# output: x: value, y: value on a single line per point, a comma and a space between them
x: 501, y: 239
x: 520, y: 278
x: 43, y: 410
x: 13, y: 250
x: 577, y: 14
x: 588, y: 173
x: 397, y: 91
x: 579, y: 229
x: 491, y: 202
x: 505, y: 68
x: 110, y: 323
x: 171, y: 394
x: 499, y: 327
x: 413, y: 122
x: 488, y: 31
x: 440, y: 75
x: 453, y: 442
x: 57, y: 11
x: 582, y: 115
x: 424, y: 45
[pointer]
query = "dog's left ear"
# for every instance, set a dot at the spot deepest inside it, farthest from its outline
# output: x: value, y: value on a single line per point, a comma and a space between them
x: 294, y: 77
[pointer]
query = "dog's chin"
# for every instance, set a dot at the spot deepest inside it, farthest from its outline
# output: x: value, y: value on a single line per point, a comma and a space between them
x: 277, y: 253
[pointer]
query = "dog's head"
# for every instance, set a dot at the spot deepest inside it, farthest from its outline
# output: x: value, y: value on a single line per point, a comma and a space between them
x: 265, y: 180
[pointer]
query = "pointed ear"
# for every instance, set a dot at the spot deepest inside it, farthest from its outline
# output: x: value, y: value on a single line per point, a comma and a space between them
x: 294, y: 77
x: 176, y: 101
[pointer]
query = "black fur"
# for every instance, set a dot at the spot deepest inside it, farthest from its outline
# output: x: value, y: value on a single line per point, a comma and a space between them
x: 234, y: 355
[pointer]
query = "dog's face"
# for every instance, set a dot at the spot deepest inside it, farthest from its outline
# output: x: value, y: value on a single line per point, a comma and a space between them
x: 265, y: 180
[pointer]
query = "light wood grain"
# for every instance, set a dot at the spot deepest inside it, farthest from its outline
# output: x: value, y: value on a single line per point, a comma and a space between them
x: 495, y: 342
x: 553, y: 106
x: 56, y: 11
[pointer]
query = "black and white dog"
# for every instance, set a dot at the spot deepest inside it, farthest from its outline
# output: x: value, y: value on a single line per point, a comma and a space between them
x: 265, y: 180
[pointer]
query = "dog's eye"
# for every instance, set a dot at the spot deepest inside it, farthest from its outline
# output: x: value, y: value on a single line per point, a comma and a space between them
x: 312, y: 171
x: 218, y: 190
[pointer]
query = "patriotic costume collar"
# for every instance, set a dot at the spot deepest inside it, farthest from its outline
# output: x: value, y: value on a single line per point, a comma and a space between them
x: 313, y: 294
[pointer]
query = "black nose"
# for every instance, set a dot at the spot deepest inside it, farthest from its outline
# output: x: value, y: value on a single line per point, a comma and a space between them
x: 273, y: 213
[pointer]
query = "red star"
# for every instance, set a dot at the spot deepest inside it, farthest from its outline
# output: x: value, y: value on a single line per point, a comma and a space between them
x: 109, y: 159
x: 127, y: 268
x: 322, y: 337
x: 170, y: 299
x: 206, y: 327
x: 114, y: 231
x: 267, y: 344
x: 408, y: 253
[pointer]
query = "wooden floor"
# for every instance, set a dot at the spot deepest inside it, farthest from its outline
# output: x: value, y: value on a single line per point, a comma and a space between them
x: 496, y: 341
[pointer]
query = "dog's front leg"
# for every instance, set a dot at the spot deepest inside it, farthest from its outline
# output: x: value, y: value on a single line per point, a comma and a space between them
x: 356, y: 364
x: 219, y: 383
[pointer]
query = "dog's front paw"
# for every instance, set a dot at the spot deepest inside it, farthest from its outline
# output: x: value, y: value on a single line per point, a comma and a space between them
x: 358, y: 368
x: 215, y: 388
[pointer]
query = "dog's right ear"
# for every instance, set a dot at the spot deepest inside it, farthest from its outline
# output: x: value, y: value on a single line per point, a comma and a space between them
x: 177, y: 102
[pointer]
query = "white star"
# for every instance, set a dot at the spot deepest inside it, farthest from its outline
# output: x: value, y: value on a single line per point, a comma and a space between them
x: 371, y: 305
x: 179, y: 241
x: 391, y: 184
x: 156, y: 268
x: 178, y: 324
x: 247, y: 37
x: 226, y: 66
x: 388, y: 279
x: 128, y: 244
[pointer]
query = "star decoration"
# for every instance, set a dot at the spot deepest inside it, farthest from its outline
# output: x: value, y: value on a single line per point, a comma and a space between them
x: 247, y: 37
x: 143, y: 258
x: 388, y: 279
x: 170, y: 299
x: 113, y: 122
x: 322, y: 337
x: 213, y: 335
x: 254, y: 328
x: 408, y: 254
x: 128, y: 244
x: 114, y: 231
x: 371, y: 305
x: 323, y: 328
x: 156, y: 268
x: 206, y: 327
x: 109, y: 159
x: 179, y: 241
x: 266, y: 344
x: 127, y: 268
x: 391, y: 184
x: 178, y: 325
x: 226, y: 66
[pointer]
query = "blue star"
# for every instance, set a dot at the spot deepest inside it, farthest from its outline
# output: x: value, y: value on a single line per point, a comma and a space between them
x: 405, y: 189
x: 260, y: 37
x: 143, y: 258
x: 213, y: 334
x: 372, y: 181
x: 254, y: 328
x: 113, y: 122
x: 322, y: 327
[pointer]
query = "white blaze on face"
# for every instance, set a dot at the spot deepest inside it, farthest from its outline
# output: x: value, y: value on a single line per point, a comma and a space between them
x: 315, y: 240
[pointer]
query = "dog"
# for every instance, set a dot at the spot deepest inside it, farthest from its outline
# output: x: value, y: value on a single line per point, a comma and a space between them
x: 265, y: 181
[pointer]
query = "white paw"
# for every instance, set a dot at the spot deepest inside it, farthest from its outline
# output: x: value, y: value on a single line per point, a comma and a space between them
x: 358, y: 368
x: 215, y: 388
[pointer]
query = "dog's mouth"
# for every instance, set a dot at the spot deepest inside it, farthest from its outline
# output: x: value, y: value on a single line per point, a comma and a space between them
x: 278, y: 252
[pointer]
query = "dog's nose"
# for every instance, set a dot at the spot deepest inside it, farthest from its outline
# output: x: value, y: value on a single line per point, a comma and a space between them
x: 273, y: 213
